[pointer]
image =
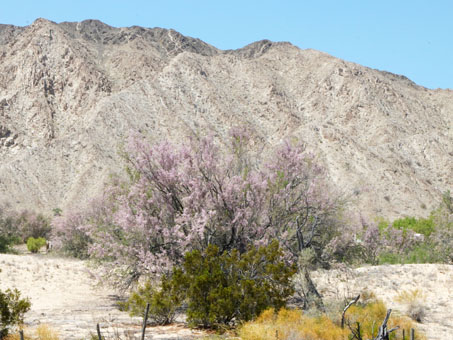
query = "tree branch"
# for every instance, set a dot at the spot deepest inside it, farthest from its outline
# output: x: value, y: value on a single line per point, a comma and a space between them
x: 347, y: 307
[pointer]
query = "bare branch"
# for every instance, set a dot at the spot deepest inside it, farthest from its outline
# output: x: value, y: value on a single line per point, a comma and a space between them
x: 347, y: 307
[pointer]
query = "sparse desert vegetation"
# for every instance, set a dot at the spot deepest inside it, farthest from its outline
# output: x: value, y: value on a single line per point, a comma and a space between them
x: 264, y: 189
x: 232, y: 242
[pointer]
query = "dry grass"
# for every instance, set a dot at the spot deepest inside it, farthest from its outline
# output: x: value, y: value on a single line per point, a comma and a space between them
x: 371, y: 316
x: 414, y: 302
x: 289, y: 325
x: 294, y: 324
x: 42, y: 332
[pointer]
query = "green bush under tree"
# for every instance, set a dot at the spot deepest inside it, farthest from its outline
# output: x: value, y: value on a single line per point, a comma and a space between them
x: 163, y: 301
x: 220, y: 289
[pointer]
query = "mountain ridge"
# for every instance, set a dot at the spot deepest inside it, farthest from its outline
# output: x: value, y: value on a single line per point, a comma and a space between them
x: 70, y: 93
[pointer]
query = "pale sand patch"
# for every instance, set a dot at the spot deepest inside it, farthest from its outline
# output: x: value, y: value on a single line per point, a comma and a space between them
x: 64, y: 295
x: 434, y: 281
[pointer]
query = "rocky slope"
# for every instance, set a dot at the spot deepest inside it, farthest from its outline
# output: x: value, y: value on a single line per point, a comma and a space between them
x: 71, y: 92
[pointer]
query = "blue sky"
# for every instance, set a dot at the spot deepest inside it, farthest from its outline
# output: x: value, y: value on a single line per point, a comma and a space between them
x: 413, y: 38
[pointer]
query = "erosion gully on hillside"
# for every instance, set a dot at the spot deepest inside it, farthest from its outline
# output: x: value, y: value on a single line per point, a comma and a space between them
x: 64, y: 295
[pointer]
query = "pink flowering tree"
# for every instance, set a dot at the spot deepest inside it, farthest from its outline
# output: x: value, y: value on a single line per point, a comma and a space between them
x: 185, y: 197
x: 303, y: 210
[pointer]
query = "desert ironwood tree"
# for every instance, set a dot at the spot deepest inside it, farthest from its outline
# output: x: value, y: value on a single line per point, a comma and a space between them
x: 186, y: 197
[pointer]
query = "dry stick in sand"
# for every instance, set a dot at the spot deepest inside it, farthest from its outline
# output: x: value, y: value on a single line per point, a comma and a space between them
x: 21, y: 334
x: 144, y: 321
x: 347, y: 307
x: 99, y: 332
x: 383, y: 332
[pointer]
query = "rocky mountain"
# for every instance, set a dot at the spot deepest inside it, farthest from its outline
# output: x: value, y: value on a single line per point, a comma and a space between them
x: 70, y: 94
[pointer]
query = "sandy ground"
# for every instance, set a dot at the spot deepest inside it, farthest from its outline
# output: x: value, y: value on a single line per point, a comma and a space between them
x: 64, y: 295
x: 434, y: 282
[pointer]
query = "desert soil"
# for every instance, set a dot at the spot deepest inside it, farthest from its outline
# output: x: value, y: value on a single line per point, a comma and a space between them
x: 433, y: 281
x: 64, y: 295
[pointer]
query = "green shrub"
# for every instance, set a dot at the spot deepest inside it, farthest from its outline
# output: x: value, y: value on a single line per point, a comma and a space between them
x: 220, y: 289
x: 34, y: 244
x: 5, y: 243
x: 390, y: 258
x: 12, y: 310
x: 230, y: 287
x: 409, y: 247
x: 425, y: 252
x: 9, y: 234
x: 423, y: 226
x: 163, y: 302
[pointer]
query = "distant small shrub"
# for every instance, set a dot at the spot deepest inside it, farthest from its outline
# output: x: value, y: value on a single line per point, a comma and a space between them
x: 390, y: 258
x: 5, y: 243
x: 34, y: 244
x: 31, y: 224
x: 12, y: 310
x: 9, y: 234
x: 16, y: 228
x: 57, y: 211
x: 414, y: 303
x: 343, y: 249
x: 424, y: 253
x: 424, y: 226
x: 383, y: 243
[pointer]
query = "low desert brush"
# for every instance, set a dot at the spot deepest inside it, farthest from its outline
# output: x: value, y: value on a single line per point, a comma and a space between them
x: 12, y: 311
x: 413, y: 300
x: 291, y: 324
x: 34, y: 244
x: 410, y: 296
x: 294, y: 324
x: 42, y: 332
x: 370, y: 317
